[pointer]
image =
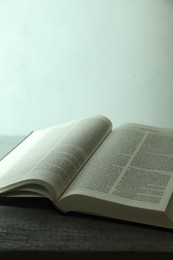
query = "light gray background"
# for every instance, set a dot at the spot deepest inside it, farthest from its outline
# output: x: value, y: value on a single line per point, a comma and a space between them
x: 64, y: 59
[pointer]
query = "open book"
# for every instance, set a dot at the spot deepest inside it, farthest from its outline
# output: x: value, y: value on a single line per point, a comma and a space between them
x: 85, y: 166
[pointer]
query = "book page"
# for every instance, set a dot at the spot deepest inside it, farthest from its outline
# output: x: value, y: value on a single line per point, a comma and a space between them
x: 134, y: 166
x: 54, y: 155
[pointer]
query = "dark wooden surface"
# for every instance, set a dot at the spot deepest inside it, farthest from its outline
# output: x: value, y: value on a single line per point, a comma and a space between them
x: 31, y: 228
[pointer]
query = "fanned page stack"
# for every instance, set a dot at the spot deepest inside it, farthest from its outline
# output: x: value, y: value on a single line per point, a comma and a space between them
x: 85, y: 166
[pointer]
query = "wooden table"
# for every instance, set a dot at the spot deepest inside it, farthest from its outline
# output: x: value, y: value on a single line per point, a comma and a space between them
x: 31, y: 228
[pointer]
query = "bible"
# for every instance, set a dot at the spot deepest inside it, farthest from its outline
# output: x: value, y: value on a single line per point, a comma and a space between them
x: 86, y: 166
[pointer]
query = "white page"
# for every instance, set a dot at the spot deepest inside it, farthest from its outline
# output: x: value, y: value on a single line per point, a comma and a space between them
x: 54, y: 155
x: 133, y: 166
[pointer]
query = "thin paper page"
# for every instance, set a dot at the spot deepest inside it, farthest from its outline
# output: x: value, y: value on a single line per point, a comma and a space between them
x: 55, y: 155
x: 133, y: 166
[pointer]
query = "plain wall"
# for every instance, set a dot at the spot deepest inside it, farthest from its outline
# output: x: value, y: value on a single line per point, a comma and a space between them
x: 60, y: 60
